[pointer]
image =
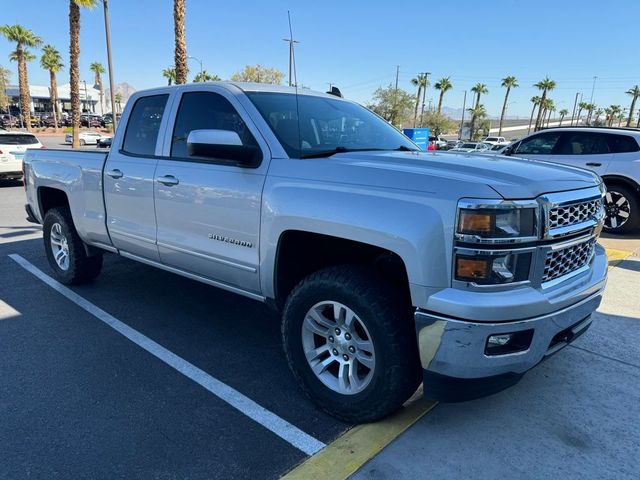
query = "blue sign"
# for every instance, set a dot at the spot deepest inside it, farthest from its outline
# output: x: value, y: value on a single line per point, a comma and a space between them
x: 420, y: 136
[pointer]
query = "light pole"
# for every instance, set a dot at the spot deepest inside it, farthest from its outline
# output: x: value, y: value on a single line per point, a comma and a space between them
x: 197, y: 60
x: 575, y: 105
x: 107, y: 31
x: 291, y: 42
x: 86, y: 97
x: 593, y: 87
x: 464, y: 106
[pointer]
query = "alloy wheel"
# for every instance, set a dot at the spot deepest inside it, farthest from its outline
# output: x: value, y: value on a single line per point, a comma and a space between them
x: 617, y: 209
x: 59, y: 246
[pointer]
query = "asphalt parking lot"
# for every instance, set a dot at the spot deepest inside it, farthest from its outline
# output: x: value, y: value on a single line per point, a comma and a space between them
x: 80, y: 399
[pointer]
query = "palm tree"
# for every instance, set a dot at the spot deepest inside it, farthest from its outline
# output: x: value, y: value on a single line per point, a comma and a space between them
x: 181, y: 42
x: 52, y: 62
x: 205, y: 76
x: 23, y: 37
x: 74, y: 60
x: 98, y: 70
x: 118, y: 101
x: 422, y: 82
x: 536, y: 101
x: 479, y: 89
x: 550, y: 108
x: 563, y: 113
x: 635, y: 93
x: 615, y: 110
x: 581, y: 106
x: 508, y: 82
x: 546, y: 85
x: 5, y: 76
x: 443, y: 85
x: 599, y: 112
x: 590, y: 108
x: 170, y: 75
x: 476, y: 112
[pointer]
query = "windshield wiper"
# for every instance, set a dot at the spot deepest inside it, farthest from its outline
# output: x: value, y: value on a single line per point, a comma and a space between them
x: 328, y: 153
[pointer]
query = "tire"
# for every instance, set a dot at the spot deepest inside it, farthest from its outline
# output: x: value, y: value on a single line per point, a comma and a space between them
x: 82, y: 143
x: 79, y: 267
x: 622, y: 209
x: 382, y: 315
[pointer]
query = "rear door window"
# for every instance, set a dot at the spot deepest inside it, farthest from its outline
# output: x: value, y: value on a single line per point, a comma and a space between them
x: 583, y: 143
x: 144, y: 124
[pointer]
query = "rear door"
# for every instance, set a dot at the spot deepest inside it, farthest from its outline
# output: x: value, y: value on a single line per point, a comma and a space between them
x: 129, y: 177
x: 585, y: 149
x: 208, y: 209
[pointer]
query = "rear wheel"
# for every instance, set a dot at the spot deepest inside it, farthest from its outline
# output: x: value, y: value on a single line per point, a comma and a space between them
x: 350, y: 344
x: 65, y: 250
x: 622, y: 209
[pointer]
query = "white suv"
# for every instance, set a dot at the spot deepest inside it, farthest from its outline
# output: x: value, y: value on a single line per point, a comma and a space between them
x: 13, y: 145
x: 613, y: 153
x: 496, y: 141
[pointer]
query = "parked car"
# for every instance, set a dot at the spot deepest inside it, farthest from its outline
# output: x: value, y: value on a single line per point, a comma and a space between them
x: 390, y: 265
x: 49, y: 121
x: 86, y: 138
x: 612, y: 153
x: 13, y: 146
x: 452, y: 144
x: 496, y: 141
x: 104, y: 142
x: 91, y: 121
x: 108, y: 118
x: 439, y: 142
x: 9, y: 121
x: 471, y: 147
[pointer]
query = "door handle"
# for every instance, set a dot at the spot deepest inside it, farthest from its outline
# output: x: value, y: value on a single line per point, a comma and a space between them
x: 592, y: 164
x: 168, y: 180
x: 115, y: 173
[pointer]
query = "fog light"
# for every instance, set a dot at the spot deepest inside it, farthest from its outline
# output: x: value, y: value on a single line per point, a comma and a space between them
x: 505, y: 343
x: 499, y: 340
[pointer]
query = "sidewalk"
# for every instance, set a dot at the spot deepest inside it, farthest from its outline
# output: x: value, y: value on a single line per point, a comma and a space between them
x: 574, y: 416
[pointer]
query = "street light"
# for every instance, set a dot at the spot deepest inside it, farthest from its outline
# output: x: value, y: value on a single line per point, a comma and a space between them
x: 86, y: 97
x: 109, y: 64
x: 197, y: 60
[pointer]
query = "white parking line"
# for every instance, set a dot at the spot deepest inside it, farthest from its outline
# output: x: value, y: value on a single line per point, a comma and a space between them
x: 251, y: 409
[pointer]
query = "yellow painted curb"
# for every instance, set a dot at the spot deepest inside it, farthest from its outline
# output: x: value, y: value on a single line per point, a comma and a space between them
x: 345, y: 455
x: 616, y: 256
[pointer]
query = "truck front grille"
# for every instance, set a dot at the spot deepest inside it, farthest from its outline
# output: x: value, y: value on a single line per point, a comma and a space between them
x: 564, y: 261
x: 573, y: 214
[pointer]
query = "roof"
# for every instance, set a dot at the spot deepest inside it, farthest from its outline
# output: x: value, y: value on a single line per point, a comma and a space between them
x: 595, y: 129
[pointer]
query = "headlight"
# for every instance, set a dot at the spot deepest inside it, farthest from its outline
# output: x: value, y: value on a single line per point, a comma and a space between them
x: 492, y: 267
x: 497, y: 223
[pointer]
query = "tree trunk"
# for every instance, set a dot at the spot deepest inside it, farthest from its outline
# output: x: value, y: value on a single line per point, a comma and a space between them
x: 74, y: 72
x: 549, y: 119
x: 101, y: 93
x: 415, y: 113
x: 633, y: 107
x: 54, y: 98
x: 440, y: 102
x: 561, y: 118
x: 23, y: 85
x: 504, y: 110
x: 533, y: 110
x: 539, y: 118
x: 181, y: 42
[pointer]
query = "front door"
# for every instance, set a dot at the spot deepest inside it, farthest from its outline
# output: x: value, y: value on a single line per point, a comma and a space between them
x: 585, y: 149
x: 208, y: 209
x: 537, y: 147
x: 129, y: 180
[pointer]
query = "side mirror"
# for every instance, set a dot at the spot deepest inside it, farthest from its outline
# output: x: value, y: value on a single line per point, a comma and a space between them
x: 223, y: 144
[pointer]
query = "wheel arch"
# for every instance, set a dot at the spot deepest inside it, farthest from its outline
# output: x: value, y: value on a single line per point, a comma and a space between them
x: 621, y: 180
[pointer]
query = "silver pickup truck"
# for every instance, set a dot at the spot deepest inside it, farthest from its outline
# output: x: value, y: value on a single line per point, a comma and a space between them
x: 390, y: 265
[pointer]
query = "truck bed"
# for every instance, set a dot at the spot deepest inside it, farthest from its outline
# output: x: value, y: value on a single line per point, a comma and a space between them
x: 79, y: 174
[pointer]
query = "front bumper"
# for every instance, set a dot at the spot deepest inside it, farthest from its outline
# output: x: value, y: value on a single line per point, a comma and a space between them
x: 454, y: 349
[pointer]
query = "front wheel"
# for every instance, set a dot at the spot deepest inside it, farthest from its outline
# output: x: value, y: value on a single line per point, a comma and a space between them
x: 349, y: 343
x: 65, y: 250
x: 622, y: 210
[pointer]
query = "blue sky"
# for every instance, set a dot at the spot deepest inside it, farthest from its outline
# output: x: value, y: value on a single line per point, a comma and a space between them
x: 357, y: 45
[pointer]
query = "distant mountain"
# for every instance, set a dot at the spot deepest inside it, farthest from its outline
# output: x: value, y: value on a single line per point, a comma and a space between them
x: 124, y: 89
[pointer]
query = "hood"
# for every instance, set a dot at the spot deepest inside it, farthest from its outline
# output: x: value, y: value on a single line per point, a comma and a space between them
x: 512, y: 178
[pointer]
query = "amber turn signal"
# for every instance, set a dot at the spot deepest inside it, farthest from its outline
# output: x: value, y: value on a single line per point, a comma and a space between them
x: 472, y: 268
x: 472, y: 222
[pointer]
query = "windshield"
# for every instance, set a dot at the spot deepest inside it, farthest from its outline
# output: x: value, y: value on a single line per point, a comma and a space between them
x: 18, y: 139
x: 468, y: 145
x: 326, y: 125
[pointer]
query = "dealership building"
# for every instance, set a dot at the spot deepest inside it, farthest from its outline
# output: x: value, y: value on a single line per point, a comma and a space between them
x: 41, y: 99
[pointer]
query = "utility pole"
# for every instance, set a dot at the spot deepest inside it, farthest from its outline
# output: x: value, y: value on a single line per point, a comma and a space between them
x: 593, y: 87
x: 107, y: 31
x: 424, y: 93
x: 464, y: 106
x: 575, y: 105
x: 291, y: 42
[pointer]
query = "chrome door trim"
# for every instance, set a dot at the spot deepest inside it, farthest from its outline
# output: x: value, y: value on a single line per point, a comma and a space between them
x: 209, y: 257
x: 132, y: 235
x: 193, y: 276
